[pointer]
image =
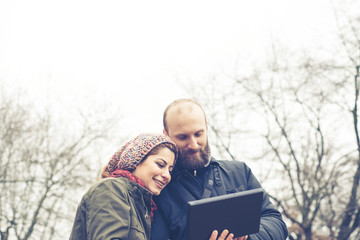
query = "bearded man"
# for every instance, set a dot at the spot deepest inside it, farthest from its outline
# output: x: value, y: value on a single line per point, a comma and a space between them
x: 197, y: 175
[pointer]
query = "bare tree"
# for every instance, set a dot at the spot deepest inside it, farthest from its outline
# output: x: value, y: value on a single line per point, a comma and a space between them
x: 350, y: 218
x: 43, y: 165
x: 296, y: 116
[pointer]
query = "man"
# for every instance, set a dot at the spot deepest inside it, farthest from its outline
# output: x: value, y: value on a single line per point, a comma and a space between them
x: 197, y: 175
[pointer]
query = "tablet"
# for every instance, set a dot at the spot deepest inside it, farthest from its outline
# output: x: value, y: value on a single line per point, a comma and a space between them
x: 238, y: 212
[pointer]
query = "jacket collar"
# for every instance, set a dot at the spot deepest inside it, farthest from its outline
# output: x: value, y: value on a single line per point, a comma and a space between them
x: 135, y: 189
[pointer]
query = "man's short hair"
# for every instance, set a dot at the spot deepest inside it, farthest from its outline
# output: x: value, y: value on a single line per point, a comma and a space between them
x: 176, y: 103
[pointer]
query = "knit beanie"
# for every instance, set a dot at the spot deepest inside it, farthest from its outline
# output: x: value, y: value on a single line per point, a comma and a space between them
x: 133, y: 152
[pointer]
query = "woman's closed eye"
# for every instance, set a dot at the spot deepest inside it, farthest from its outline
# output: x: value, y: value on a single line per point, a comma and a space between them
x: 161, y: 165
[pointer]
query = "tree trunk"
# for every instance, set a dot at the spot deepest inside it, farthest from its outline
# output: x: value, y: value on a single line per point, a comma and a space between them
x: 308, y: 233
x: 4, y: 235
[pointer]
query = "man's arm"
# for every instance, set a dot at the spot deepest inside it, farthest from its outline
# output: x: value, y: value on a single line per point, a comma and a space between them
x: 238, y: 175
x: 272, y: 225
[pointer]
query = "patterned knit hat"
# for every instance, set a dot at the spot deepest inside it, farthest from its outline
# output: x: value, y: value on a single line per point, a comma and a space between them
x: 133, y: 152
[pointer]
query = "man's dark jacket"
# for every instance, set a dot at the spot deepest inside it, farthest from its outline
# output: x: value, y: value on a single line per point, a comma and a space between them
x: 220, y: 177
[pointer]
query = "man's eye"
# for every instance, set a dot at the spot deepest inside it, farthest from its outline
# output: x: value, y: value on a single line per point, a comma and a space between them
x: 182, y: 138
x: 198, y: 134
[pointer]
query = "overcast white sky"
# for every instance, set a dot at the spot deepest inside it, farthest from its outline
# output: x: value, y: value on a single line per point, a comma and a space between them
x: 131, y: 52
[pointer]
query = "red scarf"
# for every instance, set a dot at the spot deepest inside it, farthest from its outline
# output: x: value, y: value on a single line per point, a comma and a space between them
x: 135, y: 179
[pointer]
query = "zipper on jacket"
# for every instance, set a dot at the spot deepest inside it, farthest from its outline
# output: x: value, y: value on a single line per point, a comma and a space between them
x: 192, y: 183
x: 146, y: 209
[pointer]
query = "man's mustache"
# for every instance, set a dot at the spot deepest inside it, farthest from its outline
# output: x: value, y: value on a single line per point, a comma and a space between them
x: 192, y: 151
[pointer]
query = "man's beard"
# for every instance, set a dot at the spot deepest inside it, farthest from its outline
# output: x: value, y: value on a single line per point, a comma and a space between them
x: 195, y: 162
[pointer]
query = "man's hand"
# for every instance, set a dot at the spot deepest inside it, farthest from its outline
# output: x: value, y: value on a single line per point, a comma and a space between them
x: 241, y: 238
x: 222, y: 235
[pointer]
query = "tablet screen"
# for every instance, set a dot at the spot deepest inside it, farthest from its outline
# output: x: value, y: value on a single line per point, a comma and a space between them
x: 238, y: 212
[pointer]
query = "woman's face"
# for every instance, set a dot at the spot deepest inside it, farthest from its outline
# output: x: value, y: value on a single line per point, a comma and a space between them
x: 155, y: 170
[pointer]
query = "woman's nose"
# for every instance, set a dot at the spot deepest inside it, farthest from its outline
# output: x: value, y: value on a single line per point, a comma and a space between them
x: 166, y: 174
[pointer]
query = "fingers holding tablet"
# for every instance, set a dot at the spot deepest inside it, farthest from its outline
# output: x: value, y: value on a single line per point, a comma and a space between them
x: 223, y: 236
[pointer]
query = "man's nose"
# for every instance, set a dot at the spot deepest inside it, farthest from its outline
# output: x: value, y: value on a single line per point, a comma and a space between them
x: 193, y: 143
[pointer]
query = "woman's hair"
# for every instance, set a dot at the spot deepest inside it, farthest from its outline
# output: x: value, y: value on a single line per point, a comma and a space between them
x: 157, y: 148
x: 136, y: 150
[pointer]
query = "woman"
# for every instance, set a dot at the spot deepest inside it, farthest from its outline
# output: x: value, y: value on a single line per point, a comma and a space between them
x: 109, y: 224
x: 121, y: 207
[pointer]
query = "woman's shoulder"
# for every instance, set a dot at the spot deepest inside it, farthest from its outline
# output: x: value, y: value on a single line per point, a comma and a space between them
x: 109, y: 185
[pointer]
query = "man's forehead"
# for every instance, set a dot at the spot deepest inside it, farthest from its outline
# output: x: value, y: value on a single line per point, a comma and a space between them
x: 184, y: 108
x: 186, y: 120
